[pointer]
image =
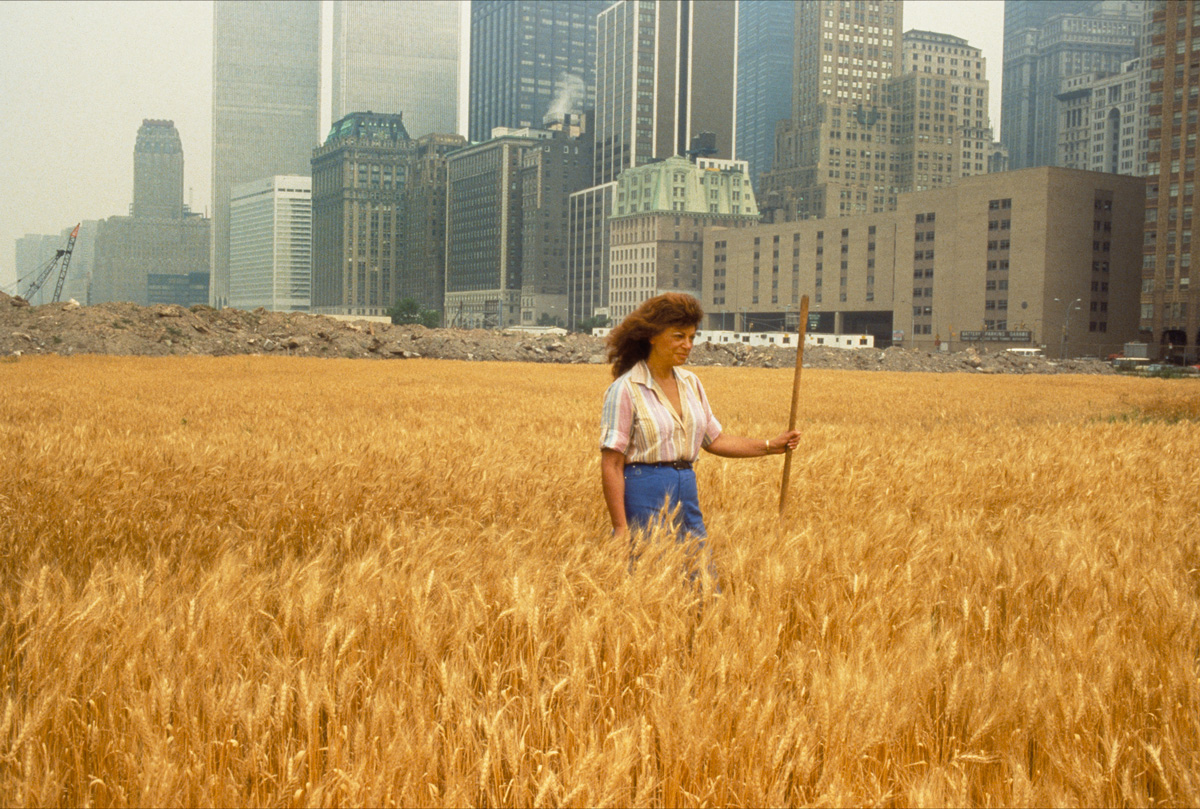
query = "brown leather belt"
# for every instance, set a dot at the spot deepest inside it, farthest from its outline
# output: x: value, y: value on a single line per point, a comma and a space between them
x: 672, y: 464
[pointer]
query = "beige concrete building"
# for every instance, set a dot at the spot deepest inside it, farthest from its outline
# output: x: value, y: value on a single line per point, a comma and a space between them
x: 875, y: 114
x: 997, y: 158
x: 1074, y: 122
x: 658, y: 215
x: 1043, y: 257
x: 942, y: 100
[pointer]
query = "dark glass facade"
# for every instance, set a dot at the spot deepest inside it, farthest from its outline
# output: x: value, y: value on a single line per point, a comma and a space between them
x: 766, y: 44
x: 528, y: 58
x: 182, y: 290
x: 664, y: 73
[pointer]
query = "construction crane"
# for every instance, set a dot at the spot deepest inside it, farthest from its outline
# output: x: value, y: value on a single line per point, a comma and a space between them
x: 43, y: 272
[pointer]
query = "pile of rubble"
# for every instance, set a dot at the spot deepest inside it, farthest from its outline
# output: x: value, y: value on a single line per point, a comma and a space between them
x: 162, y: 329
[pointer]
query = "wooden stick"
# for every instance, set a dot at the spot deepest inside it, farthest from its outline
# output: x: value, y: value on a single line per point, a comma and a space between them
x: 787, y: 461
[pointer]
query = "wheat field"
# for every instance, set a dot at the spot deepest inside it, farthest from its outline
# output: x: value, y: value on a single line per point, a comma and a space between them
x: 291, y: 582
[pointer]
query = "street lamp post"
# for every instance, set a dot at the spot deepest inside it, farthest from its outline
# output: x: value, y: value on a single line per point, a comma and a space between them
x: 1062, y: 352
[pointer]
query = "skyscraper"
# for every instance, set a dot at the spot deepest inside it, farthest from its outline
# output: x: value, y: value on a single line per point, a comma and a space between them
x: 942, y: 130
x: 1022, y: 20
x: 766, y: 31
x: 360, y: 179
x: 422, y: 276
x: 270, y: 244
x: 158, y: 170
x: 548, y: 178
x: 528, y: 58
x: 1170, y: 305
x: 875, y: 113
x: 397, y: 58
x: 588, y: 287
x: 483, y: 231
x: 160, y: 252
x: 664, y: 74
x: 266, y: 104
x: 1046, y: 43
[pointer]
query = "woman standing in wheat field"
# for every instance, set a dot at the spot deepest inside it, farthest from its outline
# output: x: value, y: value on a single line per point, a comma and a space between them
x: 656, y: 419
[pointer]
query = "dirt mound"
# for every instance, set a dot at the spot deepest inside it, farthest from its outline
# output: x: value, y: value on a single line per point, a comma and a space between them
x: 164, y: 329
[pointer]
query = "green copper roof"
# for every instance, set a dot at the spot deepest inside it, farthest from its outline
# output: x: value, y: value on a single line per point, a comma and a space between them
x: 370, y: 125
x: 679, y: 185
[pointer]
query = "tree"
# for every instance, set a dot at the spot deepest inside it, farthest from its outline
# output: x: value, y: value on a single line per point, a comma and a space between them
x: 407, y: 312
x: 588, y: 323
x: 546, y: 319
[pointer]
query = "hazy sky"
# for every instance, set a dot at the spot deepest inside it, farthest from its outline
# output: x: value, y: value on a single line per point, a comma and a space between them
x: 77, y: 78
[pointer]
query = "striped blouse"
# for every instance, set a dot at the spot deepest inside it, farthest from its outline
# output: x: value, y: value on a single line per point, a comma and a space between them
x: 639, y: 421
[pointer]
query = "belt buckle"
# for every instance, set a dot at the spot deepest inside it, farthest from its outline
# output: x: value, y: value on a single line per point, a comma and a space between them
x: 680, y: 464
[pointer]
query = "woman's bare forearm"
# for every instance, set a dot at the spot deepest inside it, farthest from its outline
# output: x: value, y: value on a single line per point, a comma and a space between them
x: 612, y: 478
x: 734, y: 446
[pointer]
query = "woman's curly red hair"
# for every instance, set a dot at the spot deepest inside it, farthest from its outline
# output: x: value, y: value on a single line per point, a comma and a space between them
x: 629, y: 343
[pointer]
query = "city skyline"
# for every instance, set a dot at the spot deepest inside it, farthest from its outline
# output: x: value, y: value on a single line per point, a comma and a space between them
x: 60, y: 62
